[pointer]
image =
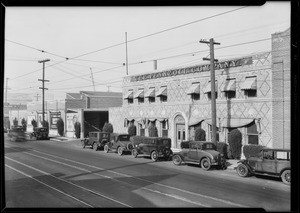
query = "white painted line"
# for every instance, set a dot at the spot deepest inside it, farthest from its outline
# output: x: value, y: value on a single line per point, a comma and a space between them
x: 48, y: 186
x: 43, y: 172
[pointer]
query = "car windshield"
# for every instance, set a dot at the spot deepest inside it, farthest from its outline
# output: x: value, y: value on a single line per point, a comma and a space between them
x: 164, y: 142
x: 208, y: 146
x: 124, y: 137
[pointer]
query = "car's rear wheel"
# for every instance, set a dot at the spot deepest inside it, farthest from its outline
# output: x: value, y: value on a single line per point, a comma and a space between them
x: 205, y: 164
x: 154, y: 156
x: 83, y: 144
x: 242, y: 170
x: 134, y: 153
x: 95, y: 146
x: 286, y: 177
x: 106, y: 148
x: 129, y: 146
x: 177, y: 160
x: 120, y: 150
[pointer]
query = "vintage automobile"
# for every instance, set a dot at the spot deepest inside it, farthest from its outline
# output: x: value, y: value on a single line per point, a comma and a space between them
x: 270, y: 162
x: 155, y: 147
x: 119, y: 143
x: 39, y: 133
x: 96, y: 140
x: 17, y: 133
x: 200, y: 152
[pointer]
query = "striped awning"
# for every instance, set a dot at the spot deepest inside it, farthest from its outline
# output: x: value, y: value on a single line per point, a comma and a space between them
x: 249, y: 83
x: 194, y: 121
x: 194, y: 89
x: 162, y: 91
x: 208, y: 87
x: 139, y: 94
x: 129, y: 95
x: 150, y: 93
x: 232, y: 122
x: 229, y: 85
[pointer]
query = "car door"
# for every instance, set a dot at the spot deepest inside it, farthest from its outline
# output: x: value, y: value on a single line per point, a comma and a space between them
x: 193, y: 152
x: 267, y: 164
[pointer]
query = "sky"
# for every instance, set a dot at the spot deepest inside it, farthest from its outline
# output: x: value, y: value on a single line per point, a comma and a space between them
x: 87, y: 49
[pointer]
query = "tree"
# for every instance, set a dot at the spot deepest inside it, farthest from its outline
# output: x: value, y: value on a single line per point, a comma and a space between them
x: 132, y: 130
x: 77, y: 128
x: 152, y: 131
x: 108, y: 127
x: 235, y: 142
x: 60, y: 126
x: 33, y: 123
x: 200, y: 134
x: 15, y: 121
x: 24, y: 124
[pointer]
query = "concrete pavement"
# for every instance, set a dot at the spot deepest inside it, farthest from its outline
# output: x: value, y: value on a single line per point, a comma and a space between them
x: 231, y: 163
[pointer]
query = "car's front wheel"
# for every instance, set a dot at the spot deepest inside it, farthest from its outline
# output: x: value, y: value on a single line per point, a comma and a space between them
x: 106, y: 148
x: 242, y: 170
x: 120, y: 150
x: 134, y: 153
x: 95, y: 146
x: 177, y: 160
x: 205, y: 164
x: 154, y: 156
x: 286, y: 177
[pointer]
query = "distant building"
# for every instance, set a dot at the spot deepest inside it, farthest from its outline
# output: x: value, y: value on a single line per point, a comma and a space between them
x: 253, y: 96
x: 90, y: 109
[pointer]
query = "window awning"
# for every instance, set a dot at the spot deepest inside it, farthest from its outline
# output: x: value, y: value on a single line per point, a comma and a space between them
x: 194, y: 121
x: 232, y: 122
x: 194, y: 89
x: 162, y: 91
x: 129, y: 95
x: 229, y: 85
x: 208, y: 87
x: 150, y: 93
x: 139, y: 94
x: 249, y: 84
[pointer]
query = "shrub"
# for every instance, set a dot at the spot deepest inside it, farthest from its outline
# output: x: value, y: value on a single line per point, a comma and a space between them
x: 15, y: 122
x: 152, y: 131
x: 222, y: 148
x: 24, y: 124
x: 34, y: 123
x: 200, y: 134
x: 108, y: 127
x: 252, y: 150
x: 60, y: 126
x: 235, y: 142
x: 132, y: 130
x: 77, y: 128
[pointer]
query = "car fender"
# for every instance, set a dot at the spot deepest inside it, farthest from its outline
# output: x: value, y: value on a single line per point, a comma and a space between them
x: 287, y: 168
x: 246, y: 164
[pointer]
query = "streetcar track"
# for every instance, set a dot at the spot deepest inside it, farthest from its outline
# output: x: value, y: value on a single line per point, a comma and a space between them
x: 73, y: 184
x: 129, y: 176
x: 27, y: 175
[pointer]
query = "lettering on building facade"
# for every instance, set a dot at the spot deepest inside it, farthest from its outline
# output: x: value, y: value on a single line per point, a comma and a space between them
x: 195, y: 69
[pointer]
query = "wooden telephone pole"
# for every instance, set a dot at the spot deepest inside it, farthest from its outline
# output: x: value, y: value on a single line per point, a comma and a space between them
x: 43, y: 87
x: 212, y: 60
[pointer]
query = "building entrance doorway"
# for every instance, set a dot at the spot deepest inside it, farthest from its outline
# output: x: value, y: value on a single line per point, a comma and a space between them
x: 180, y: 131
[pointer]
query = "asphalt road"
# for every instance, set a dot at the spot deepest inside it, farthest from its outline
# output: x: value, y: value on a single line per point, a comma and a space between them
x: 62, y: 174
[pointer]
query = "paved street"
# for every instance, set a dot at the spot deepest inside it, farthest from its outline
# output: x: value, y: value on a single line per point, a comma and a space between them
x: 62, y: 174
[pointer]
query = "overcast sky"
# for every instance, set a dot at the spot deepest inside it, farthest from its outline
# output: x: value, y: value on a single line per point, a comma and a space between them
x: 93, y: 40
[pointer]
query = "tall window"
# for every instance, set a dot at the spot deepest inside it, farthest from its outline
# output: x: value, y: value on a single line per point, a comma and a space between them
x: 252, y: 134
x: 164, y: 129
x: 142, y: 130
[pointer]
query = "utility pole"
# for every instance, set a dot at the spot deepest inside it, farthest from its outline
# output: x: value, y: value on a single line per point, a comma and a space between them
x: 37, y: 97
x: 126, y: 54
x: 212, y: 60
x: 43, y: 88
x: 108, y: 86
x: 6, y: 90
x: 92, y: 79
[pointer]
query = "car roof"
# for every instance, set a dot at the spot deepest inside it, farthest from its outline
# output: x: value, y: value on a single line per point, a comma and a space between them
x: 275, y: 149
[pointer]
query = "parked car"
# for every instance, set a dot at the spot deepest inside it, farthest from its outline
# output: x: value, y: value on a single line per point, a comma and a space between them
x: 17, y: 133
x: 155, y: 147
x: 200, y: 152
x: 40, y: 133
x: 270, y: 162
x: 96, y: 140
x: 119, y: 143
